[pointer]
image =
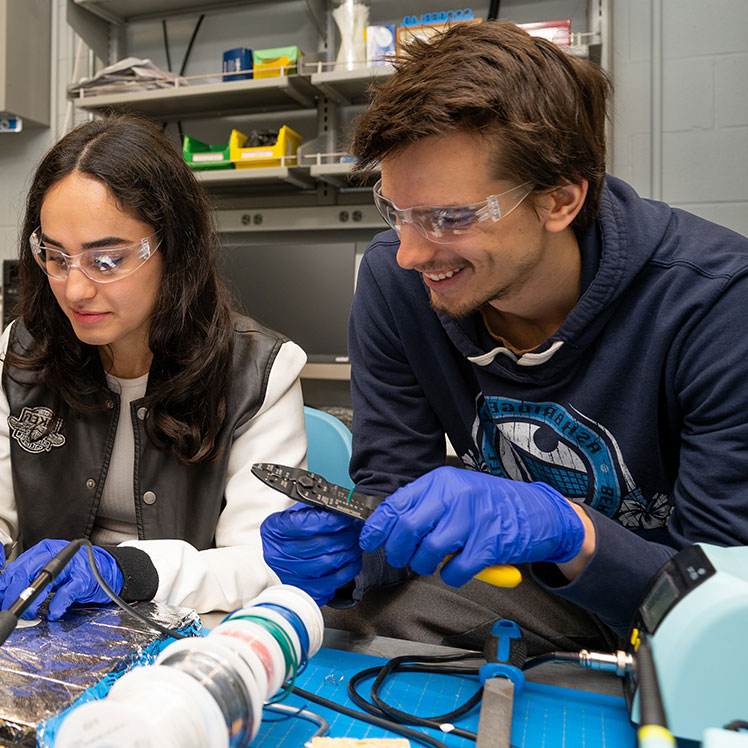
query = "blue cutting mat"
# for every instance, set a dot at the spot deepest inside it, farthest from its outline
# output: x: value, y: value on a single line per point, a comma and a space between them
x: 544, y: 716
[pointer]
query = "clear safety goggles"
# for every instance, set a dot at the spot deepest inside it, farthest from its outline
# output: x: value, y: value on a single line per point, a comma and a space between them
x: 100, y: 265
x: 445, y: 224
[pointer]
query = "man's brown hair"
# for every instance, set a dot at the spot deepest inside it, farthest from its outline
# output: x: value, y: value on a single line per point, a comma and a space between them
x: 543, y: 108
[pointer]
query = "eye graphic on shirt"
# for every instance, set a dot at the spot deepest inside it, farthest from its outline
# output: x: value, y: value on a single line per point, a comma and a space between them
x: 532, y: 452
x: 559, y: 446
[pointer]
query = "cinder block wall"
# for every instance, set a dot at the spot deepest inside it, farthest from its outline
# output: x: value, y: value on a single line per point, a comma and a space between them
x: 689, y: 145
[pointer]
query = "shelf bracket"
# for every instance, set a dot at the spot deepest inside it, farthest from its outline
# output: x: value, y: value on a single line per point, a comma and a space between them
x: 320, y: 28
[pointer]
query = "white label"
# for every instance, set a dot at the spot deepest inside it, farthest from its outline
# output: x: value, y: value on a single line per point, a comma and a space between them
x: 258, y: 154
x: 207, y: 156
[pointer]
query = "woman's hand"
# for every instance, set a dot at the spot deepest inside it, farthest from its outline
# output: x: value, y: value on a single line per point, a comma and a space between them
x: 74, y: 584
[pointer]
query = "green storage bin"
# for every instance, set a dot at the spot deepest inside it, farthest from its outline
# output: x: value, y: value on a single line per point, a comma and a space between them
x: 201, y: 156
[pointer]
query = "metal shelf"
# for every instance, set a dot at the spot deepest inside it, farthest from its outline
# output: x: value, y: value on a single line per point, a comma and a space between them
x: 336, y: 174
x: 124, y: 11
x: 216, y: 99
x: 340, y: 372
x: 235, y: 97
x: 348, y: 86
x: 308, y: 218
x: 296, y: 176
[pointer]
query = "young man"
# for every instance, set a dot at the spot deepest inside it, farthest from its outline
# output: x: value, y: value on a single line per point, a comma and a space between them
x: 580, y: 346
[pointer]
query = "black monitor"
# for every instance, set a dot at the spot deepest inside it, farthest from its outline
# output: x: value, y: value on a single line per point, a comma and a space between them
x: 301, y: 290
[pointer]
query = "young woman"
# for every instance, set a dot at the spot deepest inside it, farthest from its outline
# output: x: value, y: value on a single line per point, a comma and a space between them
x: 134, y: 402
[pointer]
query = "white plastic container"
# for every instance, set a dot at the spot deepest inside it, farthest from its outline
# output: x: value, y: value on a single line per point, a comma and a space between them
x: 149, y: 707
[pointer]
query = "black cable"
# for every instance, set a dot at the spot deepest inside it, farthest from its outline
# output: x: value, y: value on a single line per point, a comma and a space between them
x: 437, y: 719
x: 419, y: 737
x: 651, y: 708
x: 493, y: 10
x: 736, y: 725
x: 384, y: 710
x: 551, y: 657
x: 378, y: 707
x: 189, y: 44
x: 164, y: 125
x: 401, y: 664
x: 120, y: 602
x: 166, y: 45
x: 184, y: 66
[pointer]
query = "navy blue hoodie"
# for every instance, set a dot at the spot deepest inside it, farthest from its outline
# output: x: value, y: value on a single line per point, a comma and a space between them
x: 636, y: 407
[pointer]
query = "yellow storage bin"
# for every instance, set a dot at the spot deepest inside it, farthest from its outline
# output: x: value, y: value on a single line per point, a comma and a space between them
x: 265, y: 155
x: 272, y: 63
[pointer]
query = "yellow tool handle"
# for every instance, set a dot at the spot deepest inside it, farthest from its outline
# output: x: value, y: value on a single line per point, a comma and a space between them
x: 502, y: 575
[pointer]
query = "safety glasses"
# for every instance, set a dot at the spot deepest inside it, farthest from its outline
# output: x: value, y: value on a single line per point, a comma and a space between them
x: 100, y: 265
x: 445, y: 224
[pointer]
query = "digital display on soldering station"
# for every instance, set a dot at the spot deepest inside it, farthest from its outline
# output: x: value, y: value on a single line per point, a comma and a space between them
x: 685, y: 571
x: 660, y: 599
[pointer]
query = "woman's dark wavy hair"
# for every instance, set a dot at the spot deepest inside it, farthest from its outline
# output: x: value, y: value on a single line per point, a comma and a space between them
x: 544, y: 109
x: 191, y: 328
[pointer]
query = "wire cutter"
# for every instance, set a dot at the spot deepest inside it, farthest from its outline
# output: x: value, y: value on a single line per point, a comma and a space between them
x: 314, y: 490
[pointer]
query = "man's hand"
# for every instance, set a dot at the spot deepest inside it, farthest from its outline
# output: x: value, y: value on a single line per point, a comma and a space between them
x: 74, y: 584
x: 484, y: 519
x: 313, y: 549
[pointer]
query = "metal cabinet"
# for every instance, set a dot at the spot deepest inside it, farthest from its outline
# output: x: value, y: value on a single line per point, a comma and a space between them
x: 24, y: 61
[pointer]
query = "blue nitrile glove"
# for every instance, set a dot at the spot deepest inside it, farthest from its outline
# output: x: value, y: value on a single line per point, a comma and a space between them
x: 313, y: 549
x: 74, y: 584
x: 487, y: 520
x: 2, y: 556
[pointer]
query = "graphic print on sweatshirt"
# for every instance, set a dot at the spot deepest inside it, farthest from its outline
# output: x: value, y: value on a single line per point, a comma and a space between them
x: 580, y: 458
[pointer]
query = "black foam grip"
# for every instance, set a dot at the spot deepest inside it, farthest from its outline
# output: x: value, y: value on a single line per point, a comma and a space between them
x: 140, y: 578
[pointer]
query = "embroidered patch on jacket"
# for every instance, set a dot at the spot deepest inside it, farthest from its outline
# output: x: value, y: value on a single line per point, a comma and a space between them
x: 29, y: 429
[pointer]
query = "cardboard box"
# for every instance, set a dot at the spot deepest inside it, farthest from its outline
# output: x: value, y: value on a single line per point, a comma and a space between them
x: 272, y: 63
x: 406, y: 34
x: 380, y: 44
x: 558, y: 32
